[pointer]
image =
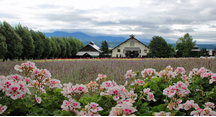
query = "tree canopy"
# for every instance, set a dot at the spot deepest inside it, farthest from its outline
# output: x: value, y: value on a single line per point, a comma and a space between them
x: 105, y: 49
x: 184, y: 45
x: 159, y: 48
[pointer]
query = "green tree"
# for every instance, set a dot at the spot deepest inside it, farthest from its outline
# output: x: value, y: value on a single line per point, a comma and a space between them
x: 58, y: 47
x: 68, y: 47
x: 47, y: 48
x: 13, y: 41
x: 184, y: 45
x: 38, y: 42
x: 27, y: 41
x: 3, y: 46
x: 159, y: 48
x: 53, y: 46
x: 105, y: 49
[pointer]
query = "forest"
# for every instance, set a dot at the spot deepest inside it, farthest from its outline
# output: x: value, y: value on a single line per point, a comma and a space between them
x: 20, y: 42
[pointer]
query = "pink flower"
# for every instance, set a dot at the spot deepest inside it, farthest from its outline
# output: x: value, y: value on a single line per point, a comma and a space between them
x: 148, y: 73
x: 146, y: 90
x: 150, y: 97
x: 14, y: 91
x: 101, y: 77
x: 5, y: 84
x: 38, y: 99
x: 2, y: 108
x: 210, y: 105
x: 190, y: 104
x: 130, y: 74
x: 80, y: 88
x: 95, y: 108
x: 15, y: 78
x: 170, y: 91
x: 54, y: 83
x: 138, y: 82
x: 213, y: 78
x: 180, y: 71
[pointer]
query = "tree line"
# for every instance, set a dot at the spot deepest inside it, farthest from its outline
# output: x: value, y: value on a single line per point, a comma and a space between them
x: 20, y: 42
x: 159, y: 47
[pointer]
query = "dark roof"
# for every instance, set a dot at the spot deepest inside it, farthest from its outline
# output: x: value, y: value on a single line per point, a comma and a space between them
x: 131, y: 37
x: 90, y: 46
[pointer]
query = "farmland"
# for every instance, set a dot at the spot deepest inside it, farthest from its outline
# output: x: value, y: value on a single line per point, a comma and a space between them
x: 86, y: 70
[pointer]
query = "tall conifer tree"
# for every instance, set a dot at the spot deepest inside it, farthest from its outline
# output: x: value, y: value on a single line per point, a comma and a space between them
x: 27, y: 41
x: 13, y: 41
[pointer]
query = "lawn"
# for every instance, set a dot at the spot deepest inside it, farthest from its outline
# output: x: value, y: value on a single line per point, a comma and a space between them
x: 86, y: 70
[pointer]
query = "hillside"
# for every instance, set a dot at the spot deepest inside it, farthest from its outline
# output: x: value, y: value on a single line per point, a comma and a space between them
x: 112, y: 41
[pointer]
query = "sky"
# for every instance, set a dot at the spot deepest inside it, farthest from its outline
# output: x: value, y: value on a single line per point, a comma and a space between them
x: 170, y: 19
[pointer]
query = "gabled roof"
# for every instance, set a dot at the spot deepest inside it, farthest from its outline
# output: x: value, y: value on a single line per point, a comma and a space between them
x: 92, y: 45
x: 131, y: 37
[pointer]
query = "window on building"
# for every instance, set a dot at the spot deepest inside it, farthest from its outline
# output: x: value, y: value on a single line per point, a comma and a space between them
x: 132, y: 44
x: 145, y: 50
x: 120, y: 55
x: 118, y: 50
x: 116, y: 55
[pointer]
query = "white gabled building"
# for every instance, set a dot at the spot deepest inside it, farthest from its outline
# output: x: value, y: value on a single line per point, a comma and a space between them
x: 131, y: 48
x: 90, y: 50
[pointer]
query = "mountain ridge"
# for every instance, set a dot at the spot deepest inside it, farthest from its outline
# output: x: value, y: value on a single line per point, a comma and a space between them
x: 112, y: 41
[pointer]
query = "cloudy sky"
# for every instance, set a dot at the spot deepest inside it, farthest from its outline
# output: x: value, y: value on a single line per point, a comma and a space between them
x: 170, y: 19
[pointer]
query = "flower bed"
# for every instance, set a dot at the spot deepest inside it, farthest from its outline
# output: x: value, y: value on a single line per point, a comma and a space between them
x: 145, y: 93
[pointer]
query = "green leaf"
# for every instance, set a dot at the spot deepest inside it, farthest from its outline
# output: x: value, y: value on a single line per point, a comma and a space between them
x: 57, y: 112
x: 65, y: 113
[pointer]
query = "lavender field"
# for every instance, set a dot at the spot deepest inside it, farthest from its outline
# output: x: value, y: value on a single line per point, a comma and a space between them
x: 86, y: 70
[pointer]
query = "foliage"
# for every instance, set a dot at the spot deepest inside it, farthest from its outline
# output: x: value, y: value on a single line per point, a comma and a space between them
x: 159, y: 48
x: 184, y: 45
x: 145, y: 93
x: 27, y: 41
x: 3, y: 46
x: 13, y: 41
x: 105, y: 49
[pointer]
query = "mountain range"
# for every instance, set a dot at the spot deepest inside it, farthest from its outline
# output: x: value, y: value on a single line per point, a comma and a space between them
x: 112, y: 41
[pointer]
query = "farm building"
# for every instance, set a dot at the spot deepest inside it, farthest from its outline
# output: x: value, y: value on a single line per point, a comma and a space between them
x: 89, y: 51
x: 131, y: 48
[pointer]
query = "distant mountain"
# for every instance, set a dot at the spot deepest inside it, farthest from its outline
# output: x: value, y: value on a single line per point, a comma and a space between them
x: 84, y: 37
x: 112, y: 41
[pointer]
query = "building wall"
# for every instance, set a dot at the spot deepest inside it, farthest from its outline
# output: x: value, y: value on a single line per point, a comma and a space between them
x: 127, y: 44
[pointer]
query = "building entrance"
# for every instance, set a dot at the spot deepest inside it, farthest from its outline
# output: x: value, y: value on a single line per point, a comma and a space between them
x: 132, y: 54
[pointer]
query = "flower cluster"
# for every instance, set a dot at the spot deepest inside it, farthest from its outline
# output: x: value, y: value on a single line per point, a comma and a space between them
x: 180, y: 89
x: 130, y: 74
x: 71, y: 105
x: 179, y: 71
x: 167, y: 73
x: 138, y: 82
x: 25, y: 67
x: 14, y: 86
x: 70, y: 90
x: 101, y: 77
x: 207, y: 111
x: 148, y: 73
x: 90, y: 110
x: 92, y: 86
x: 123, y: 109
x: 148, y: 95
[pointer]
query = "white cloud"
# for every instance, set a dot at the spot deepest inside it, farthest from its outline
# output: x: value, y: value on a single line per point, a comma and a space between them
x: 170, y: 19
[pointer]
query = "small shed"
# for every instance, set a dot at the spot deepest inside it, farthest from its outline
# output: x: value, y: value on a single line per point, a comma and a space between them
x: 195, y: 52
x: 89, y: 51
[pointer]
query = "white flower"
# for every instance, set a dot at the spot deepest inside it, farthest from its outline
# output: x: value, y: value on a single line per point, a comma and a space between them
x: 2, y: 108
x: 38, y: 99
